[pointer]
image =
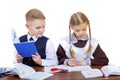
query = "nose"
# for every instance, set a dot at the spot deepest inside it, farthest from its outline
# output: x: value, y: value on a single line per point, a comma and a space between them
x: 41, y: 30
x: 80, y: 32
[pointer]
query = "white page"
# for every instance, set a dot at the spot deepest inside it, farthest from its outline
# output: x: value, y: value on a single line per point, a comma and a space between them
x: 37, y: 76
x: 70, y: 69
x: 92, y: 73
x: 27, y: 72
x: 111, y: 70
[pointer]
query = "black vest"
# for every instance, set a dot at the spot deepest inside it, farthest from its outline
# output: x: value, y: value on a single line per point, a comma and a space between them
x: 41, y: 47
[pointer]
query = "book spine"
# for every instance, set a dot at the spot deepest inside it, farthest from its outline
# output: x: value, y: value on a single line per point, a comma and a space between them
x: 102, y: 73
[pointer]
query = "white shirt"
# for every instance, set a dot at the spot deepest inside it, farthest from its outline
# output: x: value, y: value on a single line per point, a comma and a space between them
x: 80, y: 52
x: 51, y: 57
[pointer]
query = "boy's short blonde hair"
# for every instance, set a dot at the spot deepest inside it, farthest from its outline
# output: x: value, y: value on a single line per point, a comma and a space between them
x: 34, y: 14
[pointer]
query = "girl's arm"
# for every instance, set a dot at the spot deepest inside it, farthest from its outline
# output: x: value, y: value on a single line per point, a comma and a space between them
x: 100, y: 57
x: 61, y: 55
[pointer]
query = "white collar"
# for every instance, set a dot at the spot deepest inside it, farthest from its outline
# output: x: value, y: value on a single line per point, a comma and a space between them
x: 34, y: 37
x: 74, y: 39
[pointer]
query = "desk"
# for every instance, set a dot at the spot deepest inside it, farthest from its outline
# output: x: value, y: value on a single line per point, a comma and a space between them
x: 65, y: 76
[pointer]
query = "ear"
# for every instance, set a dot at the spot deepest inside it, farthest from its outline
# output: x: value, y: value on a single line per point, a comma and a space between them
x: 27, y: 25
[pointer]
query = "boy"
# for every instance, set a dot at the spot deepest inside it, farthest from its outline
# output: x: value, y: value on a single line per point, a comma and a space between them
x: 46, y: 56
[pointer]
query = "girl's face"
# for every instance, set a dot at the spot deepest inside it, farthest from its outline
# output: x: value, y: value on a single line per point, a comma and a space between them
x: 36, y: 27
x: 80, y: 30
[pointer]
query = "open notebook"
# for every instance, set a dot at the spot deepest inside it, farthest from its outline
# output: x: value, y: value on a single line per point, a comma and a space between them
x: 27, y: 72
x: 105, y: 71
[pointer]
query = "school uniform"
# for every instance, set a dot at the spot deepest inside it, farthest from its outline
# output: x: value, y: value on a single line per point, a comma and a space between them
x: 45, y: 50
x: 95, y: 57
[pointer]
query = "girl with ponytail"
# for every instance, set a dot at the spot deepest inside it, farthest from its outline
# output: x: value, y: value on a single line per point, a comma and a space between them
x: 79, y: 48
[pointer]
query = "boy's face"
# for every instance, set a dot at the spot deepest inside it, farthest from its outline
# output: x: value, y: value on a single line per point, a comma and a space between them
x: 36, y: 27
x: 80, y: 30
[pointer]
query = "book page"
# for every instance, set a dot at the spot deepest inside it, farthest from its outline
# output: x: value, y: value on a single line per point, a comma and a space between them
x: 78, y: 68
x: 22, y: 69
x: 111, y: 70
x: 37, y: 76
x: 27, y: 72
x: 68, y: 68
x: 92, y: 73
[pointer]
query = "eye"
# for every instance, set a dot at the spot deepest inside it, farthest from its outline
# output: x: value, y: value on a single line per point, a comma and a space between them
x: 84, y: 29
x: 77, y: 30
x: 39, y: 27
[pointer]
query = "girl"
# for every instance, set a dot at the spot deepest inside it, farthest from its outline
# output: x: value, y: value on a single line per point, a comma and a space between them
x: 79, y: 48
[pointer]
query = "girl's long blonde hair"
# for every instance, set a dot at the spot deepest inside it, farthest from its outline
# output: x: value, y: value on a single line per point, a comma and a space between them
x: 75, y: 20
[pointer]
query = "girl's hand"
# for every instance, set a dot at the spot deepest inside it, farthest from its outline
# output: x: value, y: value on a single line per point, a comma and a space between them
x: 74, y: 62
x: 80, y: 63
x: 37, y: 59
x: 71, y: 62
x: 19, y: 58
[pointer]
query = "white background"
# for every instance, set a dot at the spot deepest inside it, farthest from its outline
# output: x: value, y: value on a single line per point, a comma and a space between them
x: 104, y: 16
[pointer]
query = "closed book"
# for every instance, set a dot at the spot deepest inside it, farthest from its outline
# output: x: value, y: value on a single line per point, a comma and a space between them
x: 25, y: 49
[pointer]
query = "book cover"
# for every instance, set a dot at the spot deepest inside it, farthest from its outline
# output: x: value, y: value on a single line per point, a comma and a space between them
x: 25, y: 49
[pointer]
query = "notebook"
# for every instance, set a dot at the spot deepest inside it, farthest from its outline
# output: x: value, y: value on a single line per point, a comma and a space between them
x: 25, y: 49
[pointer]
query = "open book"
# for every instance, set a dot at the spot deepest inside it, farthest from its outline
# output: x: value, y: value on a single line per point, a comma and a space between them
x: 65, y: 68
x: 105, y: 71
x: 27, y: 72
x: 4, y: 71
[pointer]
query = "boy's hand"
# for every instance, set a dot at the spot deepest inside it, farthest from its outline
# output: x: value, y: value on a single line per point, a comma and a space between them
x: 19, y: 58
x: 37, y: 59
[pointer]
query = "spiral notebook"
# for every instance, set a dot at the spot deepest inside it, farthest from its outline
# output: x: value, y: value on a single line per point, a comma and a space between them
x: 25, y: 49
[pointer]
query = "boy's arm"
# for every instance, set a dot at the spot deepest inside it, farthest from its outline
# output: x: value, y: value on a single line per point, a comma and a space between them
x: 51, y: 57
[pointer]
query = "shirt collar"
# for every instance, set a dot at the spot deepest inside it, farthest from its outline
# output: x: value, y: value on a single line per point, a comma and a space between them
x: 74, y: 39
x: 34, y: 37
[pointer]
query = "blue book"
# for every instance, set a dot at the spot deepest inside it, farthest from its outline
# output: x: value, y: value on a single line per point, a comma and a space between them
x: 26, y: 49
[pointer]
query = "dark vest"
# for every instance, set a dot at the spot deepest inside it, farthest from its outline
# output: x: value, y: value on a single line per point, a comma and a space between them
x: 41, y: 47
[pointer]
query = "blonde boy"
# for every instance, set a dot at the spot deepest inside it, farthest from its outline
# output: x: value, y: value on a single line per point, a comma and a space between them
x: 46, y: 56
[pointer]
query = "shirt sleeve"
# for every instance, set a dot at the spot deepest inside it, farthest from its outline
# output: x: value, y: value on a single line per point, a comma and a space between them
x: 62, y: 58
x: 51, y: 57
